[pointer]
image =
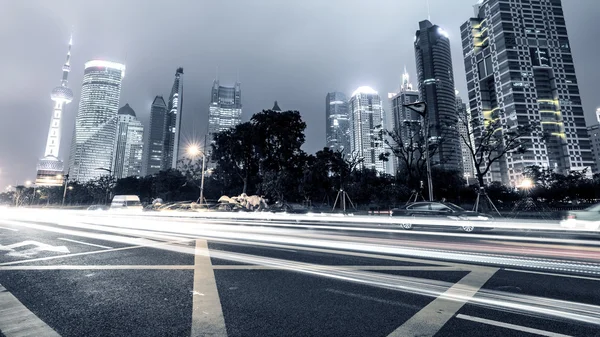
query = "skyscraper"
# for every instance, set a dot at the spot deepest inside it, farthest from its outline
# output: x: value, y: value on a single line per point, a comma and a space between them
x: 406, y: 121
x: 156, y: 138
x: 436, y: 87
x: 519, y: 68
x: 366, y: 118
x: 464, y: 116
x: 337, y: 122
x: 129, y: 145
x: 92, y: 148
x: 50, y: 168
x: 173, y: 123
x: 225, y: 108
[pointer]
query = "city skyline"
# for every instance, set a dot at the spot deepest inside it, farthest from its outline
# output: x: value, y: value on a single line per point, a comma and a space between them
x: 279, y: 81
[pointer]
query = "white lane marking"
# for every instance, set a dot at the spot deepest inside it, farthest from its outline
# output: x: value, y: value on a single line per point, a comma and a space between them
x: 511, y: 326
x: 553, y: 274
x: 371, y: 298
x: 17, y: 321
x: 10, y: 229
x: 207, y: 314
x: 225, y: 267
x: 38, y: 247
x: 86, y: 243
x: 429, y: 320
x: 86, y: 253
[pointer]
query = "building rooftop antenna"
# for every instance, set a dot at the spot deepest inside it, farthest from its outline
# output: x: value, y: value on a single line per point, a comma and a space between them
x: 428, y: 11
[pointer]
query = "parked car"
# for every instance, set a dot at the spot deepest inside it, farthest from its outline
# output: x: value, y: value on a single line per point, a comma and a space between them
x: 98, y: 208
x: 587, y: 219
x: 444, y: 210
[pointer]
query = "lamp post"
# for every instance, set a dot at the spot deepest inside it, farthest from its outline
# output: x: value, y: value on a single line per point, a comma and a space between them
x: 66, y: 181
x: 194, y: 151
x: 421, y: 109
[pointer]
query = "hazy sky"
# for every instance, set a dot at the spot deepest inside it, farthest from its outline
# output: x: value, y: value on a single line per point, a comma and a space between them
x: 293, y: 51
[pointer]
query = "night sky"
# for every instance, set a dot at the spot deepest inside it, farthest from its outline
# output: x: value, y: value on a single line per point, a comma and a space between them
x: 290, y: 51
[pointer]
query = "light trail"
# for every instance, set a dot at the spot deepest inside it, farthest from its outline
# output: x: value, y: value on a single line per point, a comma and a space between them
x: 165, y: 229
x: 498, y: 300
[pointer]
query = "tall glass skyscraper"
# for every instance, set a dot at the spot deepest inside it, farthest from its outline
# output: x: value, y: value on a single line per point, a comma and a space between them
x: 366, y: 120
x: 337, y: 122
x: 520, y: 69
x: 92, y: 148
x: 50, y: 168
x: 406, y: 121
x: 130, y: 144
x: 171, y: 146
x: 225, y: 108
x: 465, y: 133
x: 436, y: 86
x: 156, y: 139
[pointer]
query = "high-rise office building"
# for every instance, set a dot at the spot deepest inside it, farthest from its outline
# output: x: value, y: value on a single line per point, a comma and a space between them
x: 436, y: 88
x: 366, y: 118
x: 594, y: 134
x: 405, y: 122
x: 50, y: 168
x: 225, y: 108
x: 464, y: 118
x: 153, y: 153
x: 337, y: 122
x: 92, y: 147
x: 171, y: 146
x: 129, y: 145
x: 519, y: 68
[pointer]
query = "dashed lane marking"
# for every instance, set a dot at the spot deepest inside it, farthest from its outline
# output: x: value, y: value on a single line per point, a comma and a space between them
x: 511, y: 326
x: 207, y: 314
x: 553, y: 274
x: 86, y: 243
x: 10, y: 229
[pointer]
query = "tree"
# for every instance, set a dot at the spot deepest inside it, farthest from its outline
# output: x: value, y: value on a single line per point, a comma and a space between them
x: 488, y: 140
x: 235, y: 152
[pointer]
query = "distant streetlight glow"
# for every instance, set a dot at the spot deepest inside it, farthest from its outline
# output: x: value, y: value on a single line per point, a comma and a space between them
x: 193, y: 150
x: 526, y: 183
x: 28, y: 183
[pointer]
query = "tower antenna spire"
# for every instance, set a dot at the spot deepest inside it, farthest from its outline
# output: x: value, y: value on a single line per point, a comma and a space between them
x: 428, y: 11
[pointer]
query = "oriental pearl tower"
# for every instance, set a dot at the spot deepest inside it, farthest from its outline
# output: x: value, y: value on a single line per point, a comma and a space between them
x: 50, y: 168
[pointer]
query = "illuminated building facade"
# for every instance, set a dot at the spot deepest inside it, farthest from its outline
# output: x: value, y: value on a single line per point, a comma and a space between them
x: 436, y: 88
x: 337, y: 122
x: 50, y: 168
x: 93, y: 144
x: 156, y: 138
x: 172, y: 138
x: 130, y: 144
x: 520, y: 69
x: 225, y: 108
x: 366, y: 120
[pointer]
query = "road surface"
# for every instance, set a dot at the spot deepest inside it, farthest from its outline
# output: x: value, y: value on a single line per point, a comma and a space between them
x: 84, y: 274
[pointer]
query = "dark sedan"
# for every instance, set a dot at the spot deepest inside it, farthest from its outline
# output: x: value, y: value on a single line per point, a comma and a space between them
x: 440, y: 210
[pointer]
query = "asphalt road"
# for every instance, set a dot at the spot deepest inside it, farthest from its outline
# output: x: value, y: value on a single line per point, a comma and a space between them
x: 86, y: 275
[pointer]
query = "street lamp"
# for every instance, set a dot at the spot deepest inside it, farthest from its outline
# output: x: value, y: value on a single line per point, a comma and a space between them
x: 194, y: 151
x: 65, y: 182
x: 28, y: 183
x: 421, y: 109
